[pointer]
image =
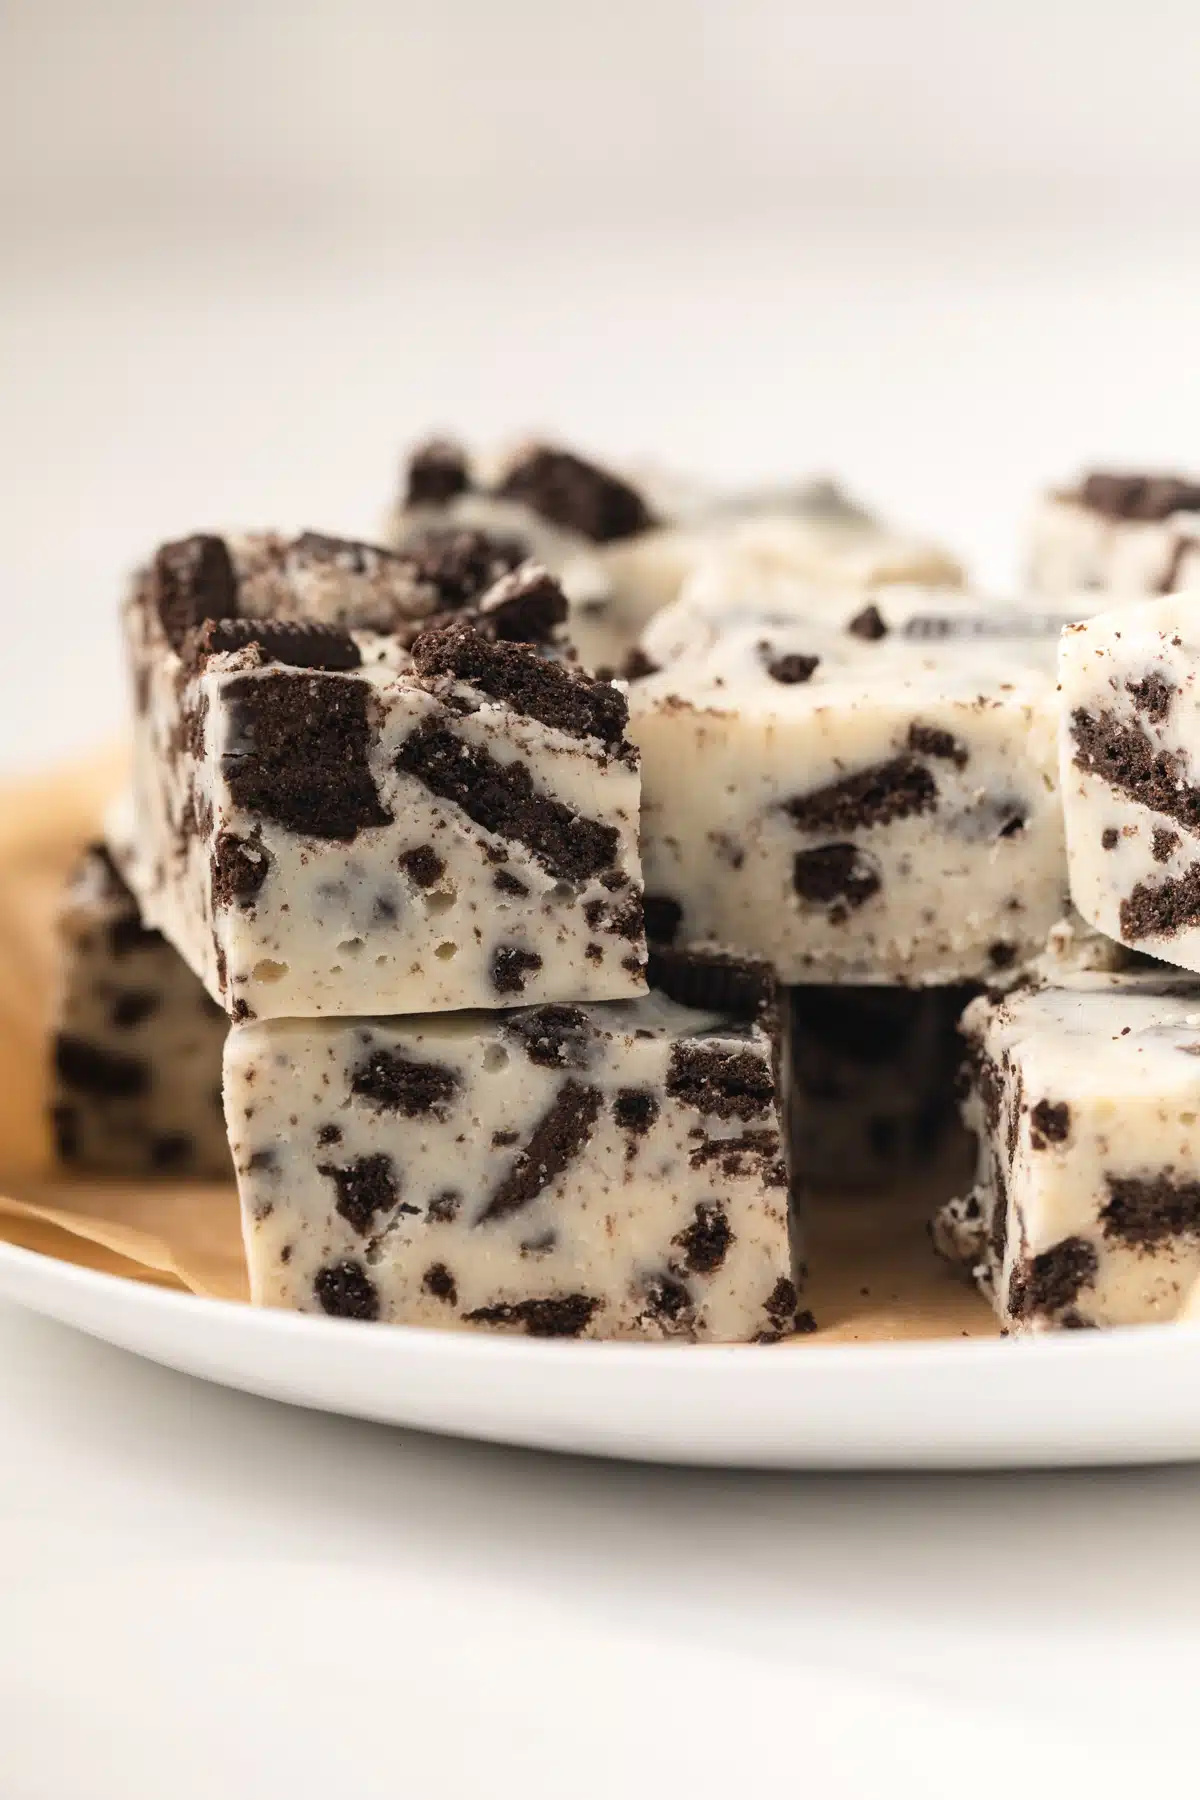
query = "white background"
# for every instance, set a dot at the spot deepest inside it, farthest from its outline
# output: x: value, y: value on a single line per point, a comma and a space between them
x: 947, y: 251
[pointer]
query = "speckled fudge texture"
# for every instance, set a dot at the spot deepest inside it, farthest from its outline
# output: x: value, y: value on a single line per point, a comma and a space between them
x: 561, y: 1171
x: 625, y: 544
x: 871, y: 801
x: 335, y: 817
x: 1085, y: 1099
x: 1130, y: 750
x: 1119, y: 533
x: 136, y: 1043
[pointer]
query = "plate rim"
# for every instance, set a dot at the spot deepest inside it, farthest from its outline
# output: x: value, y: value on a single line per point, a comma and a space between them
x: 472, y: 1346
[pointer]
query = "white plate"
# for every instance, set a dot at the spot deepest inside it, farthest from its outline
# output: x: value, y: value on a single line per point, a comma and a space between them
x: 1087, y: 1397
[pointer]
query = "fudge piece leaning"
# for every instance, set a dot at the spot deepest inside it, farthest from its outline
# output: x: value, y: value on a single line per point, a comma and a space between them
x: 625, y: 545
x: 328, y: 821
x: 875, y: 803
x: 1119, y: 533
x: 135, y: 1086
x: 1130, y: 756
x: 562, y: 1171
x: 1085, y: 1100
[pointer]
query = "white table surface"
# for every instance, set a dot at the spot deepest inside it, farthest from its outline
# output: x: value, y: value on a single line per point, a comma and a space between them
x: 207, y: 1595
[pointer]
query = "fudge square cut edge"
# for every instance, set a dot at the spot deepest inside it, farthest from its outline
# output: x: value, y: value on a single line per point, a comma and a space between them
x: 604, y: 1171
x: 1130, y: 774
x: 327, y: 821
x: 855, y: 806
x: 136, y: 1042
x: 1085, y: 1102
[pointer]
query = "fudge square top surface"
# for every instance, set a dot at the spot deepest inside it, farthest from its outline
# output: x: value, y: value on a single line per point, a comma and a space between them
x: 330, y: 817
x: 1130, y: 752
x: 625, y: 543
x: 598, y: 1171
x: 1120, y: 532
x: 1086, y: 1097
x: 870, y: 802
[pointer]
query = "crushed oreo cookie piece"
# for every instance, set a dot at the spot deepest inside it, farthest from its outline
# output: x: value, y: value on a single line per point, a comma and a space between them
x: 501, y: 798
x: 437, y: 472
x: 300, y: 753
x: 900, y: 788
x: 575, y: 494
x: 869, y: 624
x: 557, y: 1138
x: 550, y: 692
x: 836, y: 875
x: 525, y: 607
x: 191, y: 580
x: 561, y: 1315
x: 346, y: 1291
x: 300, y: 643
x: 394, y: 1083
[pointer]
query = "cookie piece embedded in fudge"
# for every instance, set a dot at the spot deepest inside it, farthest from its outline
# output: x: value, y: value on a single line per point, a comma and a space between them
x: 893, y: 819
x: 136, y: 1043
x: 1130, y: 752
x: 576, y: 1171
x: 332, y: 822
x: 1124, y: 534
x: 624, y: 546
x: 1085, y: 1101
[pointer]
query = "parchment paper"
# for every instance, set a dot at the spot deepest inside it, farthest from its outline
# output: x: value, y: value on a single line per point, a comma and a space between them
x: 873, y: 1273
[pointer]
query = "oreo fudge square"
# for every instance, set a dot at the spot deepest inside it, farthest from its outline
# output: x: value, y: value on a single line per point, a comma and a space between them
x: 1130, y: 749
x: 869, y: 803
x: 1125, y: 534
x: 336, y: 816
x: 1085, y: 1099
x: 559, y: 1171
x: 624, y: 546
x: 136, y: 1044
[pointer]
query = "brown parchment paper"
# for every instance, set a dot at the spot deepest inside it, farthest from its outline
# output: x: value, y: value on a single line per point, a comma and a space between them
x: 873, y: 1273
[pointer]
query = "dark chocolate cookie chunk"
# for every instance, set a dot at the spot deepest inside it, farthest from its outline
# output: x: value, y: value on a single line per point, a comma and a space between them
x: 900, y: 788
x: 395, y: 1083
x: 367, y: 1187
x: 525, y: 607
x: 346, y: 1291
x: 300, y: 643
x: 1150, y: 498
x: 501, y: 798
x: 437, y: 472
x: 568, y: 491
x: 559, y: 1315
x: 462, y: 565
x: 836, y: 875
x: 557, y: 1138
x: 726, y: 1083
x: 740, y: 987
x: 550, y: 692
x: 191, y: 580
x: 299, y: 753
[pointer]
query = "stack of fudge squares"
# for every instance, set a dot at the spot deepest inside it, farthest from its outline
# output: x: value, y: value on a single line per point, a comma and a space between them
x: 535, y: 908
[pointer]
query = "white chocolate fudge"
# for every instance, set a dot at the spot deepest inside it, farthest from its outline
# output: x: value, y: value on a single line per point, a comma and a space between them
x: 1130, y: 751
x: 624, y: 546
x: 871, y: 804
x: 1085, y: 1099
x: 602, y: 1171
x: 328, y: 822
x: 136, y: 1043
x: 1121, y: 534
